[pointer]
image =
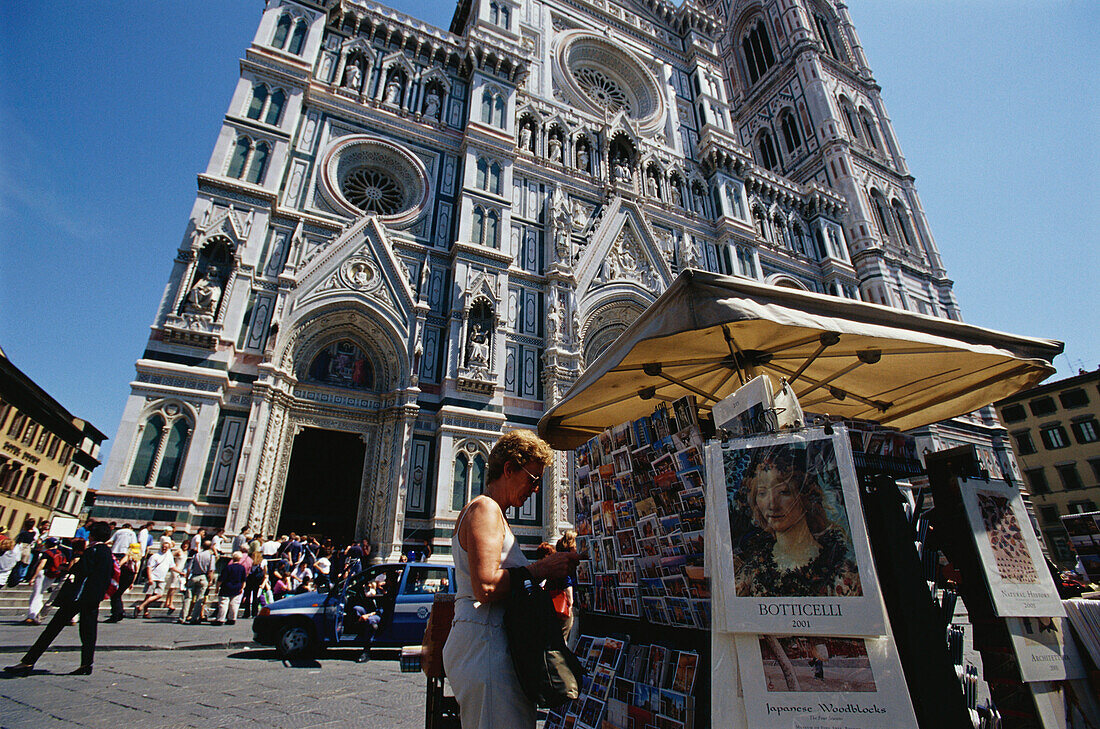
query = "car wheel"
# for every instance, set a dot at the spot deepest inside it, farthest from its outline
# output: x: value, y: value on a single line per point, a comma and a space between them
x: 295, y: 641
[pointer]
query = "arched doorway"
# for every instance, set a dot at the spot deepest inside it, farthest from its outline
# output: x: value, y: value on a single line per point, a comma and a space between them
x: 323, y: 484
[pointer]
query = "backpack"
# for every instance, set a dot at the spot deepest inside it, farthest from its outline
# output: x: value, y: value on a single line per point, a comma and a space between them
x: 116, y: 575
x: 56, y: 564
x: 548, y: 672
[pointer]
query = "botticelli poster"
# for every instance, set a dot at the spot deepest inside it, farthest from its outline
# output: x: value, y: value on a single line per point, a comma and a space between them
x: 818, y: 682
x: 1017, y: 576
x: 790, y: 547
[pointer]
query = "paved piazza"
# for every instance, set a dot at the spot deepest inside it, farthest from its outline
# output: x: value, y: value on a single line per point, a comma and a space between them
x: 158, y: 674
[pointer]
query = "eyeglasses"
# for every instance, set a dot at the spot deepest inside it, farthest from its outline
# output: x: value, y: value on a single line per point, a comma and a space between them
x: 534, y: 479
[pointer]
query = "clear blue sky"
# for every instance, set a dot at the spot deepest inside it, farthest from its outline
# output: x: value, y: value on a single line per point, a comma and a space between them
x: 108, y: 111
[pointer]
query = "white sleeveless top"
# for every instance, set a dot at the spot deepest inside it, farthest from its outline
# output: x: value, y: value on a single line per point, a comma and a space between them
x: 467, y: 607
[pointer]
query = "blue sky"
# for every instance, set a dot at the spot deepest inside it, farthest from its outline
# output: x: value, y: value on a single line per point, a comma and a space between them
x: 109, y: 110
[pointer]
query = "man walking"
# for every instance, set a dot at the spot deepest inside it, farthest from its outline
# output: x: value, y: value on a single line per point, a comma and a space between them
x: 230, y: 586
x: 92, y: 575
x: 156, y: 573
x: 199, y: 574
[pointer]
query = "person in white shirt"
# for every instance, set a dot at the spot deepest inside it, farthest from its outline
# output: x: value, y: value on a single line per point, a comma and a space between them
x: 122, y: 539
x: 156, y: 572
x: 196, y: 541
x: 145, y: 539
x: 217, y: 540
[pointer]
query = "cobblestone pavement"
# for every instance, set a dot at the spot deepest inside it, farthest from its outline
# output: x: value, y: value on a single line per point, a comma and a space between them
x: 136, y: 686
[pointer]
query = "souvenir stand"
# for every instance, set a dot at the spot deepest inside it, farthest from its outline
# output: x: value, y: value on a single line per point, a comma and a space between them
x: 853, y: 635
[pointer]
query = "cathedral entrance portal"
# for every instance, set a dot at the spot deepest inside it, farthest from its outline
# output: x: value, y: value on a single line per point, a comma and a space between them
x: 323, y: 484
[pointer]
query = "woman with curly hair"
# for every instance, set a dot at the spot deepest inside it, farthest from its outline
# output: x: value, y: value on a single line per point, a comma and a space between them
x: 476, y: 655
x: 800, y: 552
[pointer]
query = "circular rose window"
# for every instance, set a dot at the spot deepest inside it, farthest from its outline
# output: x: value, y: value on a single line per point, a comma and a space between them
x: 604, y: 78
x: 372, y: 176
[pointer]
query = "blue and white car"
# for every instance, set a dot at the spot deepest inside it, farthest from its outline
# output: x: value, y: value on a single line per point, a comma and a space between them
x: 299, y: 625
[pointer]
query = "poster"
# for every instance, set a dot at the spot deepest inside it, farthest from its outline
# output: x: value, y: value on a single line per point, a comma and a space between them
x: 1044, y: 650
x: 823, y: 681
x: 789, y: 540
x: 1017, y: 576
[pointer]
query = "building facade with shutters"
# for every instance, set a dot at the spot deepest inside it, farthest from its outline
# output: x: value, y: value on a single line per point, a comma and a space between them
x: 46, y: 454
x: 1055, y: 430
x: 409, y: 240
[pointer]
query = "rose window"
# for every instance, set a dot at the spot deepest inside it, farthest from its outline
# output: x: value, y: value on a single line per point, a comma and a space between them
x: 372, y: 191
x: 364, y: 175
x: 602, y: 89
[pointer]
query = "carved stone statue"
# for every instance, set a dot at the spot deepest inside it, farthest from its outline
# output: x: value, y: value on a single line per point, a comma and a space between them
x: 432, y: 103
x: 651, y: 185
x: 677, y: 199
x: 478, y: 356
x: 525, y: 138
x: 689, y: 255
x: 204, y: 295
x: 393, y: 91
x: 582, y: 157
x: 353, y: 76
x: 553, y: 320
x: 622, y: 171
x: 561, y: 219
x: 555, y: 150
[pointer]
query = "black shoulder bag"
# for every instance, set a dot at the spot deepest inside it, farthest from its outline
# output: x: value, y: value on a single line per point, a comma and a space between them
x: 547, y: 670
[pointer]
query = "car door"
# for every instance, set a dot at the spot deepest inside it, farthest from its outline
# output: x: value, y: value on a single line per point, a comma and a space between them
x: 414, y: 603
x: 336, y: 605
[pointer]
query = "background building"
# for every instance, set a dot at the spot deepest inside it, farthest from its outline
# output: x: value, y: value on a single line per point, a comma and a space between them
x: 409, y: 240
x: 46, y: 454
x: 1056, y: 434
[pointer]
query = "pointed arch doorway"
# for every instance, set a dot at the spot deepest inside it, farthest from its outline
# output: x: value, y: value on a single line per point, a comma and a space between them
x: 323, y: 484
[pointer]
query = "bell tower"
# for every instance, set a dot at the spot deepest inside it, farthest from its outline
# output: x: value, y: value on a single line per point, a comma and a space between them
x: 807, y: 107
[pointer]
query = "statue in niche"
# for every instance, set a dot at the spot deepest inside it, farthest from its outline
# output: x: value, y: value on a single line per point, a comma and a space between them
x: 555, y: 150
x: 353, y: 76
x: 651, y: 184
x: 432, y: 103
x: 677, y: 198
x: 525, y: 138
x: 553, y: 320
x: 562, y: 221
x: 689, y: 255
x: 478, y: 356
x: 582, y: 156
x: 393, y: 91
x: 622, y: 171
x: 576, y: 326
x: 204, y: 295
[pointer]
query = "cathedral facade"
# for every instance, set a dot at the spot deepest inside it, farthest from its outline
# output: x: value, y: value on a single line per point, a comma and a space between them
x: 410, y: 240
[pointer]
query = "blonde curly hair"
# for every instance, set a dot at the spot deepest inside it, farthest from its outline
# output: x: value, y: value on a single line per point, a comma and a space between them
x: 519, y: 447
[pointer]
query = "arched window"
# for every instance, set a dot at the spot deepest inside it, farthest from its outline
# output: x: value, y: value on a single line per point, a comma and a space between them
x: 259, y: 164
x: 492, y: 232
x: 494, y: 13
x: 162, y: 448
x: 282, y: 30
x: 498, y: 111
x: 487, y: 106
x: 882, y: 213
x: 494, y: 178
x: 822, y: 246
x: 826, y: 32
x: 769, y: 158
x: 469, y: 479
x: 849, y: 116
x: 259, y: 98
x: 458, y: 484
x: 478, y: 234
x: 171, y: 460
x: 869, y: 127
x: 745, y: 260
x: 275, y: 107
x: 905, y: 230
x: 147, y: 450
x: 791, y: 135
x: 482, y: 173
x: 239, y: 157
x: 757, y: 50
x: 298, y: 38
x: 505, y: 17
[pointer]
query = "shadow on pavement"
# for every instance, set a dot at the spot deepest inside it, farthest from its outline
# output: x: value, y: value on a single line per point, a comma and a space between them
x: 344, y: 655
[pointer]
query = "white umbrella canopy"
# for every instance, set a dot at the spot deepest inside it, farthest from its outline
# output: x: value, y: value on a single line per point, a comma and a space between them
x: 709, y: 333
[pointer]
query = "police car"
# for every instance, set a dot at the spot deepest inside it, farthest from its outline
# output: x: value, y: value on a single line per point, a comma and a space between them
x: 298, y: 625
